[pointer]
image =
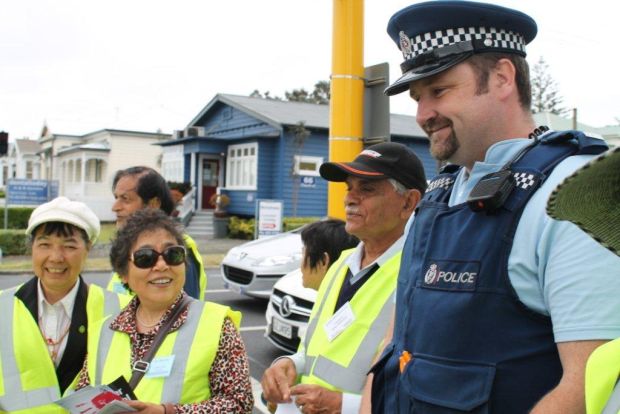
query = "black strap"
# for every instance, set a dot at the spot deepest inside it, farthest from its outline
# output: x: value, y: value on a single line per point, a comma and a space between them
x: 140, y: 367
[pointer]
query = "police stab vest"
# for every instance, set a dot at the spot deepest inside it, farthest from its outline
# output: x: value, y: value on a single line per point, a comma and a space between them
x: 116, y: 284
x: 28, y: 383
x: 463, y: 341
x: 192, y: 348
x: 342, y: 363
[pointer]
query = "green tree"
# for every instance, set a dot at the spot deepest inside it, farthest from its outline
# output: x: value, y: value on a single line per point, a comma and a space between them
x: 545, y: 92
x: 320, y: 94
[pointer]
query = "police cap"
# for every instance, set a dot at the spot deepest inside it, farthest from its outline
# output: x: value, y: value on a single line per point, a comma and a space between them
x: 436, y: 35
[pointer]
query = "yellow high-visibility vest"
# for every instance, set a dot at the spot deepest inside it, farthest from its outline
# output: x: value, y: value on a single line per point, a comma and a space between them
x: 192, y: 349
x: 342, y: 363
x: 602, y: 373
x: 28, y: 382
x: 116, y: 284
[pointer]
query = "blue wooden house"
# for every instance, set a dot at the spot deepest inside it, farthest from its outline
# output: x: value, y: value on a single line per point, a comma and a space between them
x: 254, y: 148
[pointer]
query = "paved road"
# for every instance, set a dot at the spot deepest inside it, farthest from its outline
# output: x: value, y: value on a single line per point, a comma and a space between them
x: 260, y: 351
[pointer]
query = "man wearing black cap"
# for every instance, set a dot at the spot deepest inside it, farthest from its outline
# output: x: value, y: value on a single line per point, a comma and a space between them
x: 356, y: 299
x: 498, y: 305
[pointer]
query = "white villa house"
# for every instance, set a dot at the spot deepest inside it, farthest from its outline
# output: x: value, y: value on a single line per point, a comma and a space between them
x: 83, y: 165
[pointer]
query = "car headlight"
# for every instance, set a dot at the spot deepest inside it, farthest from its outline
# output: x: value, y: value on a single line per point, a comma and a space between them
x: 278, y: 260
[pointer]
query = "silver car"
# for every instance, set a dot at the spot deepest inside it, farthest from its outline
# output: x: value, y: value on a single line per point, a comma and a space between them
x: 254, y: 267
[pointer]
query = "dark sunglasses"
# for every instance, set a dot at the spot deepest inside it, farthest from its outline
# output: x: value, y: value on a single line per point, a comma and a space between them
x: 146, y: 258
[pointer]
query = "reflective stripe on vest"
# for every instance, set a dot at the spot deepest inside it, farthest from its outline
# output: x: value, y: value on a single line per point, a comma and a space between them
x: 194, y: 344
x: 347, y: 371
x: 15, y: 396
x: 602, y: 373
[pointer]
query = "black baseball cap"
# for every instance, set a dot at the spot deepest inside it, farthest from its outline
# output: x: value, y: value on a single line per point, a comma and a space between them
x: 379, y: 162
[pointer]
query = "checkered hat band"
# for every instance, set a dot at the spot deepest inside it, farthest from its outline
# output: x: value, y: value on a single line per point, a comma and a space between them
x: 499, y: 39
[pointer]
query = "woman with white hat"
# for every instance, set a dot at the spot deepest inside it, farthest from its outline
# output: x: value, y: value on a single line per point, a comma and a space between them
x: 590, y: 198
x: 45, y: 321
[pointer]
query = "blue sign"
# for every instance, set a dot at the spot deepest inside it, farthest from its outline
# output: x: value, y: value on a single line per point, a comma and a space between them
x: 31, y: 192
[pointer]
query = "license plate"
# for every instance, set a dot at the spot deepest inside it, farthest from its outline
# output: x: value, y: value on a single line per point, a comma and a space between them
x: 235, y: 288
x: 281, y: 328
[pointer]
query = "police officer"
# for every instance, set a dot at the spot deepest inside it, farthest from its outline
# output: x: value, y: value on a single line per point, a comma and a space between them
x: 498, y: 306
x: 355, y: 300
x: 45, y: 321
x: 139, y: 187
x: 590, y: 199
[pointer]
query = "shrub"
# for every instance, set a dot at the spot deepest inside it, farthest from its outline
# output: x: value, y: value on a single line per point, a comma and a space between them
x: 13, y: 242
x: 18, y: 217
x: 292, y: 223
x: 240, y: 228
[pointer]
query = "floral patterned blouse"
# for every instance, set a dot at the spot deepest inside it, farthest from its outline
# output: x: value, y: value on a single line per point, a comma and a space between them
x: 229, y: 378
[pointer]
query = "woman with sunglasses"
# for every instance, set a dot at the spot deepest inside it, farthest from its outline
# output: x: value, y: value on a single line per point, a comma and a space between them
x: 201, y: 365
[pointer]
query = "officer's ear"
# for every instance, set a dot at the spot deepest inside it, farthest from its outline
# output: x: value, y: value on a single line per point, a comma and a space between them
x: 154, y: 203
x: 503, y: 78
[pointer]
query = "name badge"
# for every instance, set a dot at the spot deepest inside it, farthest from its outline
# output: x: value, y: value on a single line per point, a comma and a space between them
x: 160, y: 367
x: 339, y: 322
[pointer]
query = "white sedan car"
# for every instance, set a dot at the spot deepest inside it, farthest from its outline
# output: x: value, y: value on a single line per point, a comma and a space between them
x: 288, y: 312
x: 254, y: 267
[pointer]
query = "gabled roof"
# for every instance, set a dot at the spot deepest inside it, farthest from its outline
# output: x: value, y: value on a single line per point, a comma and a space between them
x: 278, y: 113
x: 27, y: 146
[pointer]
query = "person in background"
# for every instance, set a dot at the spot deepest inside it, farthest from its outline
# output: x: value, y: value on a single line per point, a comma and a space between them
x: 46, y: 320
x: 356, y: 299
x: 203, y: 366
x: 323, y: 242
x: 136, y: 188
x: 498, y: 306
x: 590, y: 198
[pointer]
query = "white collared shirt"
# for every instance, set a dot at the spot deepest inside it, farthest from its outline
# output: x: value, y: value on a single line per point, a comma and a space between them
x: 54, y: 320
x: 354, y: 261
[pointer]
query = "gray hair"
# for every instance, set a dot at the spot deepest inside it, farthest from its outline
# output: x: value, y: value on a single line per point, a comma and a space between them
x: 398, y: 186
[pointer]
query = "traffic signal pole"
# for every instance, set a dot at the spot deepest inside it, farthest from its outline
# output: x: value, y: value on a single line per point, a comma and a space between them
x: 347, y: 93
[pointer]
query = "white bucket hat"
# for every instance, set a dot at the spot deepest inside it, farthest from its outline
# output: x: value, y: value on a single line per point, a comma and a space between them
x: 66, y: 211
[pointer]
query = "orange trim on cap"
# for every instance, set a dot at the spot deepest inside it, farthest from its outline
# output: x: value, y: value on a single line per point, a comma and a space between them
x: 356, y: 171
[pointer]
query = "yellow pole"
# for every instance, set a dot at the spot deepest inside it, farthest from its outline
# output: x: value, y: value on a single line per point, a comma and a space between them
x: 347, y: 93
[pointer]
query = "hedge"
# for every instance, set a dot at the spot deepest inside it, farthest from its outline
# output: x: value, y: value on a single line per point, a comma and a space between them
x: 18, y: 217
x: 13, y: 242
x: 240, y: 228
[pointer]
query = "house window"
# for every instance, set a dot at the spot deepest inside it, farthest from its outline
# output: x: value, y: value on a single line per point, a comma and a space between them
x: 29, y: 170
x: 95, y: 170
x: 172, y: 163
x: 306, y: 165
x: 70, y: 172
x: 78, y: 171
x: 241, y: 166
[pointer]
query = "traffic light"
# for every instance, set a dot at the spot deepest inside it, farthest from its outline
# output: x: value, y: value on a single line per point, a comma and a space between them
x: 4, y: 142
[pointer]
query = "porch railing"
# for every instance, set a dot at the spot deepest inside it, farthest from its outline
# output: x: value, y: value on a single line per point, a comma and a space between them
x: 186, y: 206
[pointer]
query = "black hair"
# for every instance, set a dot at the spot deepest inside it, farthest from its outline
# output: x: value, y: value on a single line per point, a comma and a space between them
x: 150, y: 185
x: 142, y: 221
x: 326, y: 236
x: 60, y: 229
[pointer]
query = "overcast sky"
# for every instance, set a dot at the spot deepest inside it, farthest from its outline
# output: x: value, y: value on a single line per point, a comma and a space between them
x: 85, y: 65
